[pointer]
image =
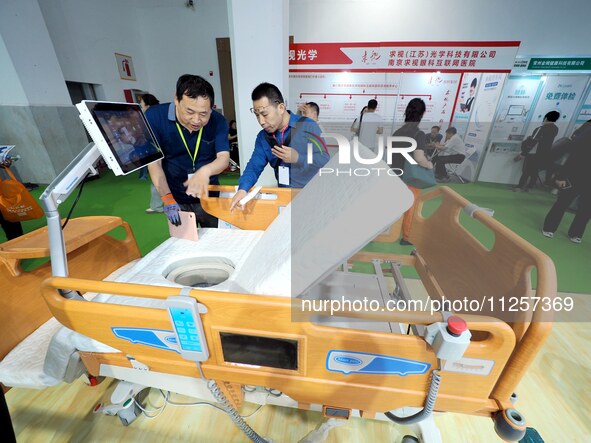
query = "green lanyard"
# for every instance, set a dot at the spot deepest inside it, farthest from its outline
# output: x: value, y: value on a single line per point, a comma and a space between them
x: 194, y: 156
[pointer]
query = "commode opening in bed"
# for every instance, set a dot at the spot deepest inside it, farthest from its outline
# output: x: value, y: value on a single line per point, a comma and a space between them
x: 199, y: 272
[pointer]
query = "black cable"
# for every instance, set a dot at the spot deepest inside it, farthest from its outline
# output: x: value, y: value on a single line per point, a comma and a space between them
x: 75, y: 202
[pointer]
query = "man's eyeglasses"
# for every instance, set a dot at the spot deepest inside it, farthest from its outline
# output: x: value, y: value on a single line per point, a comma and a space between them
x: 262, y: 110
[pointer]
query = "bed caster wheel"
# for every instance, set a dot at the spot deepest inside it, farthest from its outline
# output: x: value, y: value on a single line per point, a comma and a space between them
x: 92, y: 381
x: 409, y: 439
x: 510, y: 425
x: 129, y: 413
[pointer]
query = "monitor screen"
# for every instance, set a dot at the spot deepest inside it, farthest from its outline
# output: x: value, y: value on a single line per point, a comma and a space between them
x: 515, y: 110
x: 126, y: 132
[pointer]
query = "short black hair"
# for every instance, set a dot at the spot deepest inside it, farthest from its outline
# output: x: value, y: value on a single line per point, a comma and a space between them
x: 473, y: 83
x: 268, y: 90
x: 149, y: 100
x: 414, y: 110
x: 372, y: 104
x: 451, y: 130
x: 436, y: 127
x: 552, y: 116
x: 194, y: 86
x: 314, y: 106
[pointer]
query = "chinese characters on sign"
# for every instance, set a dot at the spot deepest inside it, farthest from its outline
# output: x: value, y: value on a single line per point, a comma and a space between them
x: 560, y: 64
x: 405, y: 56
x: 438, y: 58
x: 561, y: 95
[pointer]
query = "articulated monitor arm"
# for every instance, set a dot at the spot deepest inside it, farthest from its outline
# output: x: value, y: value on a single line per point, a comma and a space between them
x: 56, y: 193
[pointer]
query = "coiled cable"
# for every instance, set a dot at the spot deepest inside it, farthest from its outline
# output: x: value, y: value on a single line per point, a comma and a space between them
x: 233, y: 413
x: 429, y: 403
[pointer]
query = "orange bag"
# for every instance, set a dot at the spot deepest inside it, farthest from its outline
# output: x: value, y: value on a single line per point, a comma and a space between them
x: 16, y: 202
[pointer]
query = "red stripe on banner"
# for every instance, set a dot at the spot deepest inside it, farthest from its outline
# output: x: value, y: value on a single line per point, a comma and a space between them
x: 503, y: 44
x: 326, y: 54
x: 453, y: 110
x: 443, y: 71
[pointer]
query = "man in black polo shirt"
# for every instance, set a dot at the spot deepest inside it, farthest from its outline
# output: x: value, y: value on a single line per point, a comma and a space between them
x: 194, y: 139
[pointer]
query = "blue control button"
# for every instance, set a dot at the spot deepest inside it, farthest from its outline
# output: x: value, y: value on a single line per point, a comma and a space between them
x: 194, y: 338
x: 180, y: 323
x: 182, y: 331
x: 190, y: 324
x: 193, y: 331
x: 183, y: 337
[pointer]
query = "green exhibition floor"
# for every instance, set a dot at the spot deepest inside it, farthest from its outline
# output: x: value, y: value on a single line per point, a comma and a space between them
x: 523, y: 213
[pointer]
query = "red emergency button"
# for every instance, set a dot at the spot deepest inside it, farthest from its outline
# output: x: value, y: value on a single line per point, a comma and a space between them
x: 456, y: 325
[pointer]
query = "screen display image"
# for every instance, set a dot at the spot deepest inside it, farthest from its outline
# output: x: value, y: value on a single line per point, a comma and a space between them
x: 127, y: 133
x: 515, y: 110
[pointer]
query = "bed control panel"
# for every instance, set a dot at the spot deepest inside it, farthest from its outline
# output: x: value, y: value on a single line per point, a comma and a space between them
x: 187, y: 326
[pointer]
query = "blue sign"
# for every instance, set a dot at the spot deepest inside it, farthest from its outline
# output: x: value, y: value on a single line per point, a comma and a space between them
x: 349, y: 362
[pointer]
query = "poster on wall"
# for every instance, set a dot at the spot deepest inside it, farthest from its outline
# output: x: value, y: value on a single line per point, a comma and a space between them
x: 465, y: 102
x: 481, y: 120
x: 585, y: 112
x: 514, y: 112
x: 342, y: 77
x: 125, y: 66
x: 404, y: 56
x: 342, y: 95
x: 561, y: 93
x: 515, y: 107
x: 438, y: 92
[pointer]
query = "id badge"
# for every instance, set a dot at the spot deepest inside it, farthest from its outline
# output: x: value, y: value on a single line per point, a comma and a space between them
x: 190, y: 173
x: 284, y: 175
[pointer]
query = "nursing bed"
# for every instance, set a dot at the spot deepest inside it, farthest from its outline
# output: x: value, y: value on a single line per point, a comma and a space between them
x: 268, y: 297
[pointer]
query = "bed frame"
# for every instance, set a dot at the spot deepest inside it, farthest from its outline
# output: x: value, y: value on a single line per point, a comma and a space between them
x: 449, y: 261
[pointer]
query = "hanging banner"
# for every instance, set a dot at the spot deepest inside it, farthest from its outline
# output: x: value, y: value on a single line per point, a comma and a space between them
x: 514, y: 111
x: 342, y: 95
x: 342, y: 77
x: 404, y: 56
x: 437, y: 90
x: 465, y: 102
x: 561, y: 93
x: 585, y: 113
x: 480, y: 124
x: 515, y: 107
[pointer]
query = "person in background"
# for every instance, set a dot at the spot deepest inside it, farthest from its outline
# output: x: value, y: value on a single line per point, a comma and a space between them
x: 357, y: 122
x: 156, y: 205
x: 371, y: 126
x: 233, y: 139
x: 11, y: 229
x: 311, y: 110
x: 145, y: 102
x: 536, y: 155
x: 433, y: 138
x: 573, y: 180
x: 282, y: 144
x: 194, y: 140
x: 450, y: 152
x: 412, y: 117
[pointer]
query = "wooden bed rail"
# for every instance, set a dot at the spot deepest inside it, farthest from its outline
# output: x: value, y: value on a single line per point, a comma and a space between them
x: 258, y: 214
x: 91, y: 251
x: 466, y: 268
x: 272, y: 317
